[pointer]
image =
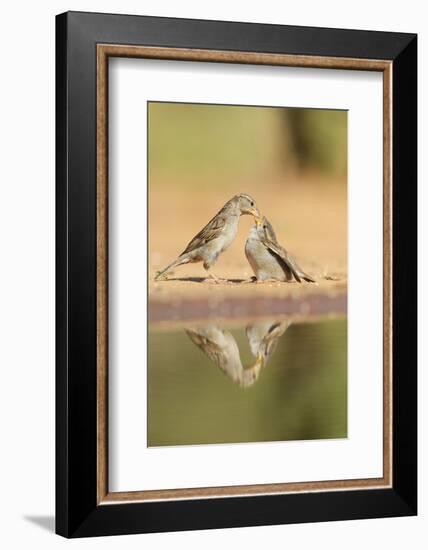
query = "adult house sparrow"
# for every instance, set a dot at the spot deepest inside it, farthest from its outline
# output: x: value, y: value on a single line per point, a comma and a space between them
x: 221, y: 348
x: 216, y: 236
x: 263, y: 337
x: 268, y: 259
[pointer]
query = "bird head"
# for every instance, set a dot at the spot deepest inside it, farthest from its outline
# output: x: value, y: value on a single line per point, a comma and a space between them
x: 247, y: 205
x: 265, y: 229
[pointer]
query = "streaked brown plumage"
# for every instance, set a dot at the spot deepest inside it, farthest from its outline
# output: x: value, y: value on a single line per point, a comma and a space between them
x: 268, y: 259
x: 216, y: 236
x: 221, y: 348
x: 263, y: 337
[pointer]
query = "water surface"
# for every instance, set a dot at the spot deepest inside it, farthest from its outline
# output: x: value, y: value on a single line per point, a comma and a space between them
x: 264, y: 381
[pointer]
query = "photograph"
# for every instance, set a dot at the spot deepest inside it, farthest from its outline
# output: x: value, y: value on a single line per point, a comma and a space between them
x: 247, y: 274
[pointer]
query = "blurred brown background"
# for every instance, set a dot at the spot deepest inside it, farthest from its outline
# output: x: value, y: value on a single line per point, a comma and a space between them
x: 292, y: 161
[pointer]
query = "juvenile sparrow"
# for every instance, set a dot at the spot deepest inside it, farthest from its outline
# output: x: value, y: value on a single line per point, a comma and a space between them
x: 216, y: 236
x: 221, y: 348
x: 263, y: 337
x: 268, y: 259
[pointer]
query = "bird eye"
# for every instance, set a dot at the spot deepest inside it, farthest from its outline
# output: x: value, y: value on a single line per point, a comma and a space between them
x: 252, y: 204
x: 265, y: 227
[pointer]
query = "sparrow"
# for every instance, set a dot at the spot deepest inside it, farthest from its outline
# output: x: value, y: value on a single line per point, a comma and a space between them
x: 264, y: 336
x: 268, y: 259
x: 216, y: 236
x: 221, y: 348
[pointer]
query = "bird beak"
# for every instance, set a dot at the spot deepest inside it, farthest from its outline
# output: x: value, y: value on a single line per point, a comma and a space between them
x: 258, y: 220
x: 254, y: 212
x: 260, y: 360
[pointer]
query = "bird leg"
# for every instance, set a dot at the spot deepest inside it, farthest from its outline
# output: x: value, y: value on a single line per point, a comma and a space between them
x: 216, y: 279
x: 213, y: 277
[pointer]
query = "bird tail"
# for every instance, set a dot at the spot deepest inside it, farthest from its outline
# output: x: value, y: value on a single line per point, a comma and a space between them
x: 179, y: 261
x: 306, y: 277
x: 298, y: 272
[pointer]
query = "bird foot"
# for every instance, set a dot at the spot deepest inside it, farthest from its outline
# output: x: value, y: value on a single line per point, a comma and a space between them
x: 250, y: 280
x: 214, y: 280
x: 161, y: 276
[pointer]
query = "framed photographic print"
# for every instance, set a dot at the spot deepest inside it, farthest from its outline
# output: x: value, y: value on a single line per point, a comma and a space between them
x: 236, y: 274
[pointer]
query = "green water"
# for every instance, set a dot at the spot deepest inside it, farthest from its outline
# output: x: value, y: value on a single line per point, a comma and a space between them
x: 291, y: 386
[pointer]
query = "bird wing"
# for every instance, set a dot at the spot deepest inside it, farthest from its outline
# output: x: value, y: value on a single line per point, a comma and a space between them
x: 211, y: 231
x: 264, y: 336
x: 208, y: 345
x: 288, y: 260
x: 271, y: 338
x: 225, y: 355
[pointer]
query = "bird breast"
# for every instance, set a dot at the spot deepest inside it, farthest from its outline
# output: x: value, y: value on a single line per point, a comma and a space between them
x: 229, y: 233
x: 263, y: 263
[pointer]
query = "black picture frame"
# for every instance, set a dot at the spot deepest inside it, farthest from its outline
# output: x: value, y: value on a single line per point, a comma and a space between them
x: 77, y: 512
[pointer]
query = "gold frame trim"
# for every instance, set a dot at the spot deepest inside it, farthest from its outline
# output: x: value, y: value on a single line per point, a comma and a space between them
x: 104, y: 51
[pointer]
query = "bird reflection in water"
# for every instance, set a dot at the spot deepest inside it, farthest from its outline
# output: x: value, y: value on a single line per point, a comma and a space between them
x: 221, y: 348
x: 264, y: 336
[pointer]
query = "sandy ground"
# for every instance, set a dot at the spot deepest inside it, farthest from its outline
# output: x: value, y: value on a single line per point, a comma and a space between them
x: 310, y: 221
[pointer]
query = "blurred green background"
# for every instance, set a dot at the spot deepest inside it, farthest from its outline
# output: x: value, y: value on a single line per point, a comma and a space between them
x: 187, y: 140
x: 300, y: 394
x: 293, y: 162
